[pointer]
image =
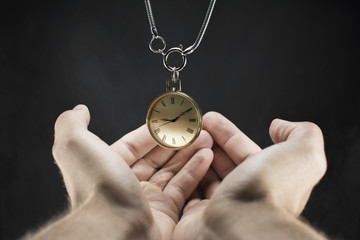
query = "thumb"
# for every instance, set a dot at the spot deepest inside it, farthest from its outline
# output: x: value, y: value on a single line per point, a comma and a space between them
x: 304, y: 136
x: 72, y: 120
x: 282, y: 130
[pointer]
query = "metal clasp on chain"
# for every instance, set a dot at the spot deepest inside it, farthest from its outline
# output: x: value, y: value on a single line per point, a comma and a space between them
x: 174, y: 68
x: 167, y: 54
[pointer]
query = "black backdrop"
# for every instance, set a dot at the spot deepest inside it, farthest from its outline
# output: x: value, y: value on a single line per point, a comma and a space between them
x: 297, y: 60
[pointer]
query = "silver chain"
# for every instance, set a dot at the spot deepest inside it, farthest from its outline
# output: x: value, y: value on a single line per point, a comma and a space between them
x: 184, y: 53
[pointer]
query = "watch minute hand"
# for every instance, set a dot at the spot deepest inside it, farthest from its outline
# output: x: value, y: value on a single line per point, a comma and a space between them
x: 186, y: 111
x: 165, y: 123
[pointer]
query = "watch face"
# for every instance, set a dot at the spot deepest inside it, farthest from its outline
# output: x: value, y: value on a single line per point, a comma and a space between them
x: 174, y: 120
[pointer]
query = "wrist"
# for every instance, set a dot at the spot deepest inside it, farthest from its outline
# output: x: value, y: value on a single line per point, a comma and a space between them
x: 97, y: 219
x: 127, y: 221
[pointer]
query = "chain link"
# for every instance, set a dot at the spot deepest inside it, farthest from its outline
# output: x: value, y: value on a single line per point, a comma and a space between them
x: 184, y: 53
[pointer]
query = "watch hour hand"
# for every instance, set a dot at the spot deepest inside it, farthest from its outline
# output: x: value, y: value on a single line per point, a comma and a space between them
x: 166, y: 120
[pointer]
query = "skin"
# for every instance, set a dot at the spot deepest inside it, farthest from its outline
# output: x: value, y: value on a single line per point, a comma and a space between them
x: 253, y: 193
x: 134, y: 189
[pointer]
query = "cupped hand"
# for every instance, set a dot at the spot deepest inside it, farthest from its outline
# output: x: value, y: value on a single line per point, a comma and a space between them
x: 282, y: 175
x: 168, y: 177
x: 134, y: 174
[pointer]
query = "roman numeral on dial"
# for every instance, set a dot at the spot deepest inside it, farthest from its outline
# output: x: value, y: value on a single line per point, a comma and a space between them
x: 189, y: 130
x: 156, y: 131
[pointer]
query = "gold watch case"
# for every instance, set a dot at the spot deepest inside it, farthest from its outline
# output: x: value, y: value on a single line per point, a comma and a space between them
x: 174, y: 120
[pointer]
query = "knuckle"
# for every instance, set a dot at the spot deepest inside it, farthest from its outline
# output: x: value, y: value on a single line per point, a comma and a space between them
x: 192, y: 174
x: 320, y: 164
x: 205, y: 154
x: 312, y: 146
x: 204, y: 140
x: 317, y: 159
x: 312, y: 128
x: 313, y: 137
x: 55, y: 150
x: 322, y: 167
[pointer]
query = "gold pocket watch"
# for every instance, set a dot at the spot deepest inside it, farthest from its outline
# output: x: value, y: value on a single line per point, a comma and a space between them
x: 174, y: 118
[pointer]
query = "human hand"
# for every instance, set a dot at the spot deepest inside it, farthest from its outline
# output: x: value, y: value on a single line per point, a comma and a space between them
x: 168, y: 177
x: 281, y: 175
x: 94, y: 170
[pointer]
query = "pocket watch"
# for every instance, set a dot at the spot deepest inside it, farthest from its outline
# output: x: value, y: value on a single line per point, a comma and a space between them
x: 174, y: 118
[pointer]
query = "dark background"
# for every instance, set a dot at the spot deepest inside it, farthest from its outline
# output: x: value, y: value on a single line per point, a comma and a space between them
x: 297, y: 60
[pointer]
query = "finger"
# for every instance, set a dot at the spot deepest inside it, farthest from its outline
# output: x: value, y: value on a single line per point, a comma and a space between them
x: 209, y: 183
x: 222, y: 163
x: 173, y: 166
x: 134, y: 145
x: 235, y: 143
x: 146, y: 167
x: 72, y: 120
x: 183, y: 184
